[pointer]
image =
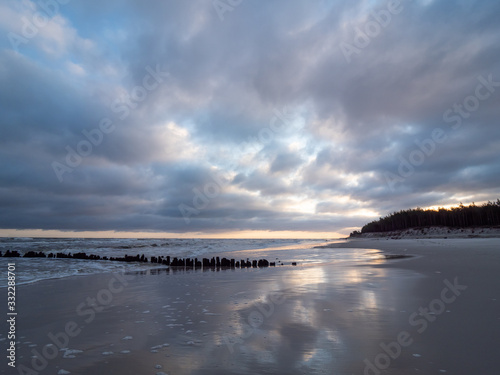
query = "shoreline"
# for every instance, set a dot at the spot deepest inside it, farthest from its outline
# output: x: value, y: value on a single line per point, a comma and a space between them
x: 432, y: 232
x: 50, y: 264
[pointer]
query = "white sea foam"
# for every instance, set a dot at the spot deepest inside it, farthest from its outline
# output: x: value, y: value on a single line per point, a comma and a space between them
x: 70, y: 353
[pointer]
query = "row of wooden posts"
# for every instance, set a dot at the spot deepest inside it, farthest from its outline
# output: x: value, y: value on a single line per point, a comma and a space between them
x: 214, y: 262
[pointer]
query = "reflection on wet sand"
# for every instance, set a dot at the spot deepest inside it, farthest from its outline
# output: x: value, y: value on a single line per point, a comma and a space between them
x: 330, y: 318
x: 315, y: 318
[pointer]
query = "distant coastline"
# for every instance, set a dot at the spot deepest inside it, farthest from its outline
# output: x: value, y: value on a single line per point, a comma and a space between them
x: 459, y: 221
x: 432, y: 232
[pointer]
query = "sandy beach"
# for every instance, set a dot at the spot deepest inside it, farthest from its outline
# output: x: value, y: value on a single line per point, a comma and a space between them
x: 435, y: 312
x: 463, y: 339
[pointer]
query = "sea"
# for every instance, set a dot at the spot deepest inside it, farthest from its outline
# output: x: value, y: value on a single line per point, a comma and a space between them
x: 281, y: 251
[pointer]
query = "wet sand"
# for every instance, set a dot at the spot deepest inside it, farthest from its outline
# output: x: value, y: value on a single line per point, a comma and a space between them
x: 465, y: 338
x: 315, y: 318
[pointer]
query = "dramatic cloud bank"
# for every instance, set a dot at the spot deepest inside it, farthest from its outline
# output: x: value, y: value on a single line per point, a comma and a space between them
x: 218, y: 116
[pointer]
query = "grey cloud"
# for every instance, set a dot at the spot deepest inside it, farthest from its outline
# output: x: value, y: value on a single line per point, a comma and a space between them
x: 225, y: 81
x: 285, y: 162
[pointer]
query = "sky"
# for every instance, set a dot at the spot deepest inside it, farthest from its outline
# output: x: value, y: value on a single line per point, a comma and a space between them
x: 243, y: 118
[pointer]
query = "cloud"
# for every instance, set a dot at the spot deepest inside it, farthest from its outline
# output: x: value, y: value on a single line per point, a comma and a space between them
x: 297, y: 137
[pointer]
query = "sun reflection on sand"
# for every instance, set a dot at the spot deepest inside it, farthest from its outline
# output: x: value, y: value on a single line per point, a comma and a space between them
x: 369, y: 299
x: 325, y: 310
x: 293, y: 320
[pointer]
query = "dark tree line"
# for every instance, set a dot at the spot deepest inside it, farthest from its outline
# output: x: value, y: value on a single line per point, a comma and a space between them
x: 488, y: 214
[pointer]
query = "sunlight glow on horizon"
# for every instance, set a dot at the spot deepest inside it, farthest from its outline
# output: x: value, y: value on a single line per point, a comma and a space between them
x: 38, y: 233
